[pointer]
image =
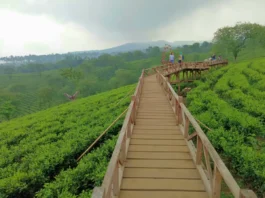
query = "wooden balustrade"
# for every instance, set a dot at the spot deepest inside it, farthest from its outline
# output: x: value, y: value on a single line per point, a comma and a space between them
x: 112, y: 180
x: 169, y: 68
x: 209, y: 164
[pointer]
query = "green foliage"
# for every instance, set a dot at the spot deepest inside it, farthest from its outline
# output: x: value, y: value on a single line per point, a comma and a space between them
x: 231, y: 102
x: 7, y: 109
x: 46, y: 95
x: 37, y: 147
x: 89, y: 172
x: 33, y: 93
x: 234, y: 39
x: 9, y: 70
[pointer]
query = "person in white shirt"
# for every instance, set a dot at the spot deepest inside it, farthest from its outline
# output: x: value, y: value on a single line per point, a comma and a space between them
x: 171, y: 57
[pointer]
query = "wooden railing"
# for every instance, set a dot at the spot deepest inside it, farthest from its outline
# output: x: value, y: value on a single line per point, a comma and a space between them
x: 209, y: 164
x: 112, y: 180
x: 169, y: 68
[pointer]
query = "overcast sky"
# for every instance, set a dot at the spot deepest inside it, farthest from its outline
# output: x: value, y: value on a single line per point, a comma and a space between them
x: 58, y: 26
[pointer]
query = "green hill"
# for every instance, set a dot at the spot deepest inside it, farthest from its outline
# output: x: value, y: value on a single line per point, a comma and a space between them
x: 30, y: 92
x: 231, y: 101
x: 39, y: 151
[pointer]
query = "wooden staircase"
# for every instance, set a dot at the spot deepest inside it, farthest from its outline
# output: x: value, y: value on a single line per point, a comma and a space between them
x: 158, y: 162
x: 157, y: 155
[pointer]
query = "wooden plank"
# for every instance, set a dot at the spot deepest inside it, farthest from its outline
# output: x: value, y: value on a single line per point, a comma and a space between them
x: 167, y: 115
x: 154, y: 111
x: 157, y: 132
x: 158, y: 155
x: 157, y: 137
x: 155, y: 122
x: 155, y: 118
x: 157, y: 142
x: 154, y: 107
x: 134, y: 163
x: 161, y: 102
x: 157, y: 127
x: 161, y: 194
x: 161, y: 173
x: 162, y: 184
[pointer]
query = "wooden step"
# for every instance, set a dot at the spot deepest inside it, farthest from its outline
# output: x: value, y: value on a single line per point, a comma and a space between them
x: 158, y: 148
x: 158, y: 142
x: 161, y: 173
x: 154, y: 111
x: 152, y: 122
x: 136, y: 127
x: 156, y: 115
x: 161, y: 194
x: 141, y: 163
x: 170, y: 114
x: 157, y: 137
x: 156, y: 132
x: 162, y: 184
x: 156, y: 118
x: 155, y: 106
x: 158, y: 155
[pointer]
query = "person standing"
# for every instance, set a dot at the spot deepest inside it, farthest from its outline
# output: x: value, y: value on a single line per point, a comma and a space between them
x: 171, y: 57
x: 180, y: 58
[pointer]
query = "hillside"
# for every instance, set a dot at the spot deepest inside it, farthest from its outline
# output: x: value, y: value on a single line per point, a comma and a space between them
x: 39, y: 151
x: 231, y: 101
x: 31, y: 92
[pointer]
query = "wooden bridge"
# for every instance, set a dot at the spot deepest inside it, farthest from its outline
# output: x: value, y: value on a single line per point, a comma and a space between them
x: 162, y: 152
x: 190, y: 70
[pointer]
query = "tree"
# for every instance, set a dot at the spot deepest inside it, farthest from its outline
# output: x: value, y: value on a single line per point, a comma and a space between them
x: 71, y: 74
x: 234, y: 39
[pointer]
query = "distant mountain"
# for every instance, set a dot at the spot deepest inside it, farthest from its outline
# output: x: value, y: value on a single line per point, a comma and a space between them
x: 51, y: 58
x: 137, y: 46
x: 142, y: 46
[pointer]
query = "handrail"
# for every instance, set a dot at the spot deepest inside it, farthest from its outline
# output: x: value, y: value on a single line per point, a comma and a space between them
x: 111, y: 183
x: 169, y: 68
x: 211, y: 178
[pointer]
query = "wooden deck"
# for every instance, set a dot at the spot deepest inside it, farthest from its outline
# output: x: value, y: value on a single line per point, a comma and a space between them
x: 155, y: 155
x: 158, y: 162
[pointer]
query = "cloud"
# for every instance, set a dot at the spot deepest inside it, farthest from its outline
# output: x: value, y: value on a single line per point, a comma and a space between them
x: 26, y: 34
x: 70, y: 25
x: 116, y: 19
x: 203, y: 22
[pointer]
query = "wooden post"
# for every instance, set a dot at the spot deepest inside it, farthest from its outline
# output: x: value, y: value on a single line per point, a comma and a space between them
x: 178, y: 83
x: 208, y: 164
x: 186, y: 128
x: 179, y: 110
x: 116, y: 186
x: 134, y: 109
x: 217, y: 180
x: 122, y: 156
x: 199, y: 151
x: 129, y: 131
